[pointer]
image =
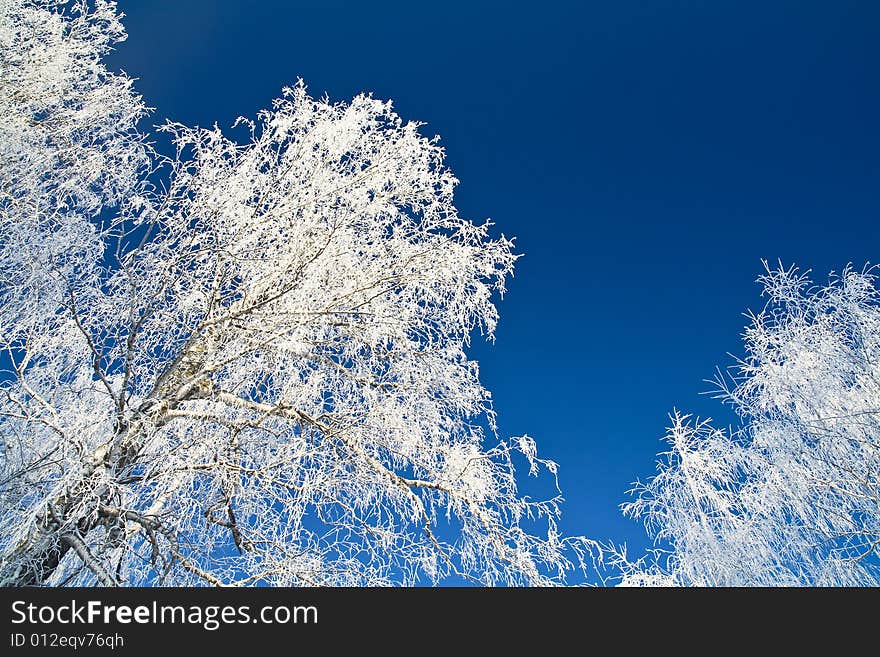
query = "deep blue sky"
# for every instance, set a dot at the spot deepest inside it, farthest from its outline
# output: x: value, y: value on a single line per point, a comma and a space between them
x: 647, y: 155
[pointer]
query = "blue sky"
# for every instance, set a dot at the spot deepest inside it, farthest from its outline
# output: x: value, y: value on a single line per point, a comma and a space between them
x: 646, y: 155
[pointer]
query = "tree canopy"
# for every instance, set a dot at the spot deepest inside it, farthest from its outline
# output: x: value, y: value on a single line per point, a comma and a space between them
x: 791, y: 497
x: 244, y: 362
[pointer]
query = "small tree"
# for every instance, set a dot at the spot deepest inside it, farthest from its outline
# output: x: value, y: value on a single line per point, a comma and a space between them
x: 255, y: 373
x: 793, y: 497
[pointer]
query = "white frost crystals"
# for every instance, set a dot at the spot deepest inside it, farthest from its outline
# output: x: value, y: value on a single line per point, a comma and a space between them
x: 793, y: 497
x: 256, y: 374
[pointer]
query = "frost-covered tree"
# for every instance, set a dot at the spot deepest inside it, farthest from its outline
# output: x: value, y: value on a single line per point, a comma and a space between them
x: 254, y: 372
x: 792, y: 498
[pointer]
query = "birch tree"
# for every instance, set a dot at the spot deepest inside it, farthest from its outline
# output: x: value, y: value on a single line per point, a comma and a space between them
x: 254, y: 372
x: 792, y: 497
